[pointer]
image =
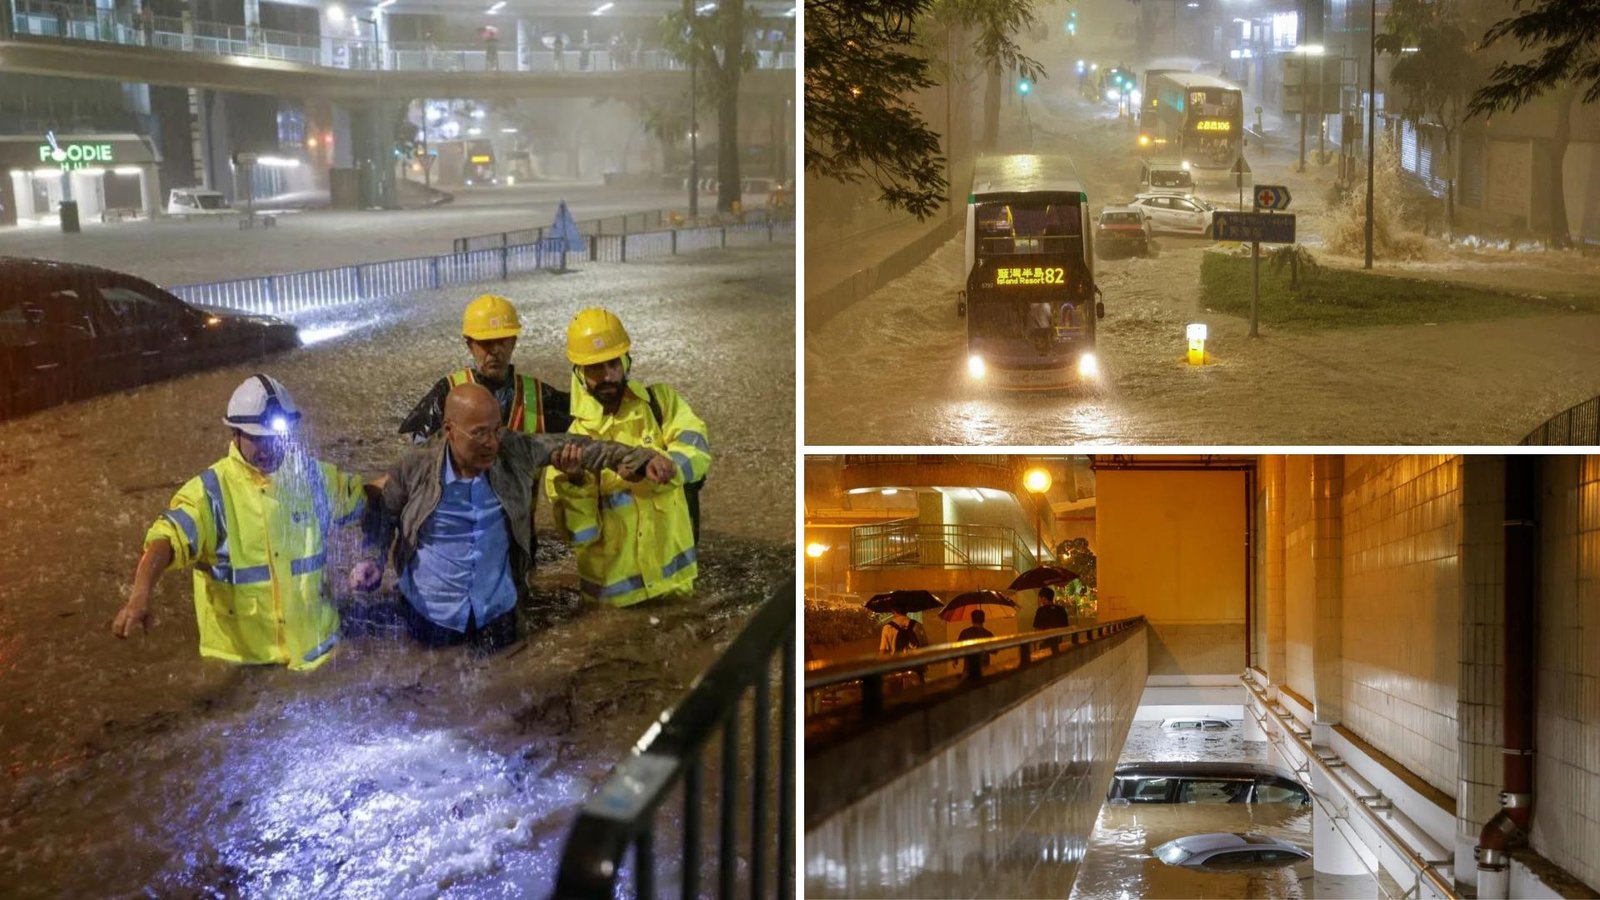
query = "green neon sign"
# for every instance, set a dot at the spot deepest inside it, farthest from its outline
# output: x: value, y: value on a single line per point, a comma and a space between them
x: 76, y: 156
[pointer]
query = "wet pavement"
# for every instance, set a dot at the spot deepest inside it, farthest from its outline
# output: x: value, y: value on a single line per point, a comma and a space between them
x: 138, y: 768
x: 891, y: 369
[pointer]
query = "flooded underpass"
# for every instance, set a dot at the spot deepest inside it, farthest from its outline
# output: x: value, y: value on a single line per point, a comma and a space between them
x: 137, y: 768
x: 1119, y: 862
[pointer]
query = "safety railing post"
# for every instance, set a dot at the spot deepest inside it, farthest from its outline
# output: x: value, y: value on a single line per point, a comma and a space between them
x: 786, y: 772
x: 272, y: 294
x: 505, y: 271
x: 644, y: 864
x: 872, y: 695
x: 624, y: 248
x: 674, y: 242
x: 594, y: 248
x: 761, y: 725
x: 434, y: 267
x: 361, y: 288
x: 724, y: 237
x: 691, y: 826
x: 727, y: 862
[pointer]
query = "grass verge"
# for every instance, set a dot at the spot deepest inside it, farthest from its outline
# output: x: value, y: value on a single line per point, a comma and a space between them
x: 1342, y: 298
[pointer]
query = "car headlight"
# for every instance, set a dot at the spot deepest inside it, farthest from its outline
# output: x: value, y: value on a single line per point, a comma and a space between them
x: 1088, y: 366
x: 976, y: 367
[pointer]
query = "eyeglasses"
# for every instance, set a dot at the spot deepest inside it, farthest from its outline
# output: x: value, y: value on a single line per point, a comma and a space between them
x: 485, y: 436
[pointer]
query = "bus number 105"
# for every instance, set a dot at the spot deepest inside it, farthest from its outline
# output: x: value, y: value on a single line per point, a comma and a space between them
x: 1213, y: 125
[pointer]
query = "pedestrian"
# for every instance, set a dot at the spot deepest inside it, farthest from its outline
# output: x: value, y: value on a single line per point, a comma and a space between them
x: 63, y: 20
x: 561, y: 58
x: 147, y: 24
x: 1049, y: 615
x: 901, y: 635
x: 975, y: 630
x: 633, y: 542
x: 254, y: 527
x: 491, y: 49
x: 463, y: 507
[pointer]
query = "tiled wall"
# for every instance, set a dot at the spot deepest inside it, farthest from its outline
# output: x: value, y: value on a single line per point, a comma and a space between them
x: 1566, y: 819
x: 1299, y: 573
x: 1004, y: 812
x: 1402, y: 597
x: 1478, y: 703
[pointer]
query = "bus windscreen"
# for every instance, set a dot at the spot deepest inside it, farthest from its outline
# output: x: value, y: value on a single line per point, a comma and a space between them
x: 1027, y: 227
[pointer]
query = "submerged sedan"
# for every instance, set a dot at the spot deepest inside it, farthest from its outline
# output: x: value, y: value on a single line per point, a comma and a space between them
x: 1203, y: 782
x: 70, y: 331
x: 1225, y: 851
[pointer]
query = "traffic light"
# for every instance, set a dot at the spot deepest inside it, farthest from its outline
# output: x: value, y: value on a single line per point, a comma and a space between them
x: 1024, y: 86
x: 1072, y: 22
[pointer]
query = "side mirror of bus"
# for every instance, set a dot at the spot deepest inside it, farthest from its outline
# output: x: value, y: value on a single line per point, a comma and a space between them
x: 961, y: 303
x: 1099, y: 310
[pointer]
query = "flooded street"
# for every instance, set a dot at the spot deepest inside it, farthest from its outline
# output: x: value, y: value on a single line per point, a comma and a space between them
x: 1119, y: 862
x: 137, y: 768
x: 891, y: 369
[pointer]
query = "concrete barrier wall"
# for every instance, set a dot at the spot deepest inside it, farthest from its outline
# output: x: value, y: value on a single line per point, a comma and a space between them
x: 830, y: 301
x: 1001, y: 791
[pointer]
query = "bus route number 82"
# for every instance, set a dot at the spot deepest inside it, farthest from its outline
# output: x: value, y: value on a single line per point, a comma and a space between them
x: 1030, y: 276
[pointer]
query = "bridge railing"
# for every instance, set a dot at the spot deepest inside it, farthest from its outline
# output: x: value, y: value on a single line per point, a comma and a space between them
x: 39, y: 18
x: 296, y: 292
x: 622, y: 815
x: 1578, y: 425
x: 850, y: 693
x: 894, y: 545
x: 635, y: 224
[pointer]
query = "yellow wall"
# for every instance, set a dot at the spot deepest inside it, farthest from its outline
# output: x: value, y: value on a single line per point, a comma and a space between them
x: 1171, y: 546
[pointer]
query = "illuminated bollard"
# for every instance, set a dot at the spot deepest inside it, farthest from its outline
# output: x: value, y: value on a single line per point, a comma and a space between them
x: 1196, y: 332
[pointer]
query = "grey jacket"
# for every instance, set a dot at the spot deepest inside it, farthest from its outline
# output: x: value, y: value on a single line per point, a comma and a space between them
x: 416, y: 483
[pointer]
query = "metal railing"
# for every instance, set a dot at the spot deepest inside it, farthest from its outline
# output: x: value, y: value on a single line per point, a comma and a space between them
x: 622, y: 813
x: 59, y: 20
x: 1577, y: 426
x: 296, y: 292
x: 655, y: 220
x: 907, y: 544
x: 934, y: 459
x: 977, y: 660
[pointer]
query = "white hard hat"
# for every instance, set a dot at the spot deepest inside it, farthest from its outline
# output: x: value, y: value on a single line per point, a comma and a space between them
x: 261, y: 406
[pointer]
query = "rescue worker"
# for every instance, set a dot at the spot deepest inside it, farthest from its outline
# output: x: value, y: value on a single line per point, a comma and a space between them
x: 490, y: 327
x: 254, y: 528
x: 462, y: 505
x: 633, y: 541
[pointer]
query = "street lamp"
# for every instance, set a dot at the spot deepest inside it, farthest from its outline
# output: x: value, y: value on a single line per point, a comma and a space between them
x: 691, y: 12
x: 815, y: 551
x: 1037, y: 481
x: 1372, y: 114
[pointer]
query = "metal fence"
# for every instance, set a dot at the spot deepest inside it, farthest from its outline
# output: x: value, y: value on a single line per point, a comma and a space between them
x: 623, y: 813
x: 1578, y: 426
x: 633, y: 224
x: 295, y: 292
x: 913, y: 545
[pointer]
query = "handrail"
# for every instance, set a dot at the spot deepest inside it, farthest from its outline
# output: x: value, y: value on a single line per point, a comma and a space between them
x: 1577, y: 425
x: 824, y: 674
x: 622, y: 812
x: 901, y: 544
x: 597, y: 227
x: 1425, y: 869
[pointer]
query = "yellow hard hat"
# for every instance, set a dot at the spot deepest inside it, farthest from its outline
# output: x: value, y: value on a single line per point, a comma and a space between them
x: 490, y: 318
x: 596, y: 335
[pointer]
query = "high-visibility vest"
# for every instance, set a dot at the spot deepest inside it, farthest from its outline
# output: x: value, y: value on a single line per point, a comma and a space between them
x: 526, y: 386
x: 633, y: 540
x: 257, y: 545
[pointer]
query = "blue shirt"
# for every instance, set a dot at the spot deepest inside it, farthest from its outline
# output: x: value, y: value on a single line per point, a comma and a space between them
x: 463, y: 563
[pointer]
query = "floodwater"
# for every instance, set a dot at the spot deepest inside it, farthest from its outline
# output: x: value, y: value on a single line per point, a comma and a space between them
x: 137, y: 768
x: 1119, y: 862
x: 891, y: 369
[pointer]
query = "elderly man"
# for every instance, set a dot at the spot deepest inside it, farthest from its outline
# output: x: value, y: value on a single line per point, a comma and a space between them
x: 462, y: 503
x: 634, y: 542
x: 254, y: 528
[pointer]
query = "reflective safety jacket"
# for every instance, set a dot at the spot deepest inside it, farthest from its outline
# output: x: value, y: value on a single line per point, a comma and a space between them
x: 527, y: 404
x: 633, y: 540
x: 257, y: 544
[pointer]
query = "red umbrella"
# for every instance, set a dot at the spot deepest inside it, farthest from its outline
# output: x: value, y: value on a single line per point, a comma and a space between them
x: 1043, y: 576
x: 995, y: 605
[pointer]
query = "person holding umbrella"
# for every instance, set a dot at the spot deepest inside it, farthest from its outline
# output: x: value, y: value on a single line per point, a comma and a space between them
x: 975, y: 631
x: 900, y: 633
x: 1049, y: 615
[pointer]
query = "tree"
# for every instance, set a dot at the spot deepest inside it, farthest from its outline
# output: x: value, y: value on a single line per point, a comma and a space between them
x: 715, y: 44
x: 667, y: 122
x: 1566, y: 34
x: 1436, y: 74
x: 860, y: 68
x: 996, y: 23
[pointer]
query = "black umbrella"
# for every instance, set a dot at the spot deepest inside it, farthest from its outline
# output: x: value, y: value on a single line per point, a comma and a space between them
x: 903, y: 602
x: 1043, y: 576
x: 994, y: 605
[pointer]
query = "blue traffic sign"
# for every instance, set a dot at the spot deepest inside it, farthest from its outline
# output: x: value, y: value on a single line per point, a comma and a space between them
x: 1265, y: 228
x: 1272, y: 196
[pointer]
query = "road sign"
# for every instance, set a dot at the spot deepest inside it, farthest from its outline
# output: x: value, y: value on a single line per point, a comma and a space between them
x: 245, y: 159
x: 1240, y: 167
x: 1265, y: 228
x: 1272, y: 196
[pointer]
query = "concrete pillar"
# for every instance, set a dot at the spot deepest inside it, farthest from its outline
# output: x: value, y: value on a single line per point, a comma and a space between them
x: 1480, y: 689
x: 150, y: 190
x: 523, y: 36
x: 1274, y: 483
x: 1327, y: 559
x: 930, y: 514
x: 86, y: 189
x: 252, y: 24
x: 1331, y: 845
x: 380, y: 38
x: 22, y: 191
x: 197, y: 142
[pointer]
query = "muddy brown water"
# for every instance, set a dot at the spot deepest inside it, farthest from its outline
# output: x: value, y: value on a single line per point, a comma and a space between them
x: 135, y: 767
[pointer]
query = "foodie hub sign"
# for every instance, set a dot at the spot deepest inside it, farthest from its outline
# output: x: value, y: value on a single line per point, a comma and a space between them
x: 75, y: 154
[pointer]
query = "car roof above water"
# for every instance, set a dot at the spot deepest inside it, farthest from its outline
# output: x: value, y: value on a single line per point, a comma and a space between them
x: 1198, y: 769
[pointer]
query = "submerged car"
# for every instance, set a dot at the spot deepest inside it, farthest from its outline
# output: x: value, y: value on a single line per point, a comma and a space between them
x: 1166, y: 177
x: 1175, y: 212
x: 1122, y: 231
x: 188, y: 202
x: 70, y: 331
x: 1203, y: 782
x: 1196, y: 723
x: 1224, y: 851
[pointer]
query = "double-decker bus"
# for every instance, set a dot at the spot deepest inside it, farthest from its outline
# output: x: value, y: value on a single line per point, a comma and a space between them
x: 1199, y: 118
x: 1030, y: 299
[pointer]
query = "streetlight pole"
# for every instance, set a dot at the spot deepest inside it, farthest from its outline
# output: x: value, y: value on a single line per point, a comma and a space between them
x: 694, y: 126
x: 1372, y: 116
x: 1037, y: 481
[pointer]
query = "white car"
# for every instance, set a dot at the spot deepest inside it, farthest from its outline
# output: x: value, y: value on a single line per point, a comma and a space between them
x: 1176, y: 212
x: 1196, y: 723
x: 188, y: 202
x: 1222, y: 851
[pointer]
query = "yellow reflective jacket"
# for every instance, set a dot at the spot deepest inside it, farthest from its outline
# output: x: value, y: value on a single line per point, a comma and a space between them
x: 257, y: 545
x: 633, y: 540
x: 527, y: 409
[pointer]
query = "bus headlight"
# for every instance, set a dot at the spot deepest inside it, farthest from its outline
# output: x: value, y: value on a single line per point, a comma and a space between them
x: 1088, y: 366
x: 975, y: 367
x: 1113, y: 95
